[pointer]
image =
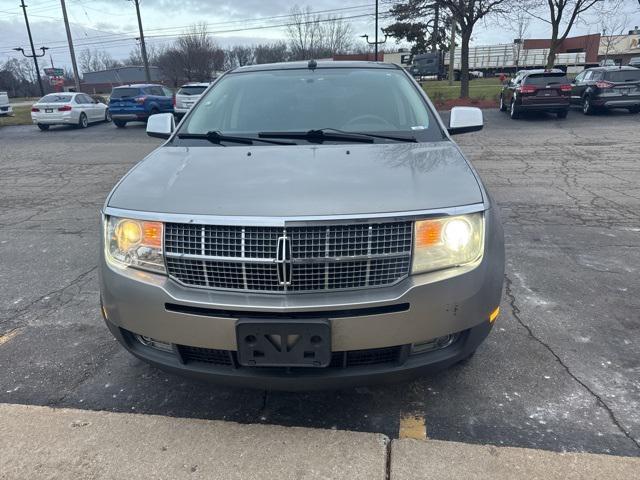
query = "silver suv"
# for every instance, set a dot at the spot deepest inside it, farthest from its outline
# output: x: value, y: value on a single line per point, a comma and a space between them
x: 187, y: 96
x: 308, y: 225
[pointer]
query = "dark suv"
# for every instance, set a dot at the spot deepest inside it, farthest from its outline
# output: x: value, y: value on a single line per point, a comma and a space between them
x: 607, y: 87
x: 537, y: 90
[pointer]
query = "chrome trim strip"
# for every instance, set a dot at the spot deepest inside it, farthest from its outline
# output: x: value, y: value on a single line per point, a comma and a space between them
x: 245, y: 221
x: 298, y: 261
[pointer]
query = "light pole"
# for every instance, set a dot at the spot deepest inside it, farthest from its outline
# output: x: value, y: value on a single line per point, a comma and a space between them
x: 33, y: 50
x: 35, y: 60
x: 376, y: 42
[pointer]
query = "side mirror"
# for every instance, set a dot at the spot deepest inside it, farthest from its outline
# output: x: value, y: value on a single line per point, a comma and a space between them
x: 465, y: 120
x: 161, y: 125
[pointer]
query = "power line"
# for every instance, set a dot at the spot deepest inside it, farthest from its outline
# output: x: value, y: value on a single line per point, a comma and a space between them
x: 97, y: 40
x: 225, y: 22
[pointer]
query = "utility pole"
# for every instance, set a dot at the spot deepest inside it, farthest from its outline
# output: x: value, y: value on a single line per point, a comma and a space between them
x: 143, y: 47
x: 376, y: 38
x: 33, y: 50
x: 452, y: 52
x: 76, y: 76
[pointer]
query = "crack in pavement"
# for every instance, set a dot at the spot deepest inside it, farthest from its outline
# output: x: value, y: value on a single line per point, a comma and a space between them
x: 14, y: 315
x: 515, y: 311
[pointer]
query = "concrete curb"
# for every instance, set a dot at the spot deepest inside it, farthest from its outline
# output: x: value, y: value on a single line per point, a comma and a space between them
x: 411, y: 459
x: 46, y: 443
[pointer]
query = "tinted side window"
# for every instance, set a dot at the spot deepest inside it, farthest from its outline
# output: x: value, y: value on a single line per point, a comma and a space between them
x: 124, y: 92
x: 155, y: 91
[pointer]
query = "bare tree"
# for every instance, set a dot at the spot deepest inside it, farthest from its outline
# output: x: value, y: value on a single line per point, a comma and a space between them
x: 519, y: 26
x: 562, y: 16
x: 613, y: 23
x: 94, y: 60
x: 241, y: 55
x: 336, y: 35
x: 153, y: 54
x: 314, y: 36
x: 201, y: 56
x: 170, y: 64
x: 466, y: 13
x: 270, y: 53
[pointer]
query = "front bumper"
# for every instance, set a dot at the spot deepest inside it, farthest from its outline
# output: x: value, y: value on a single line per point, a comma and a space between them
x: 418, y: 309
x: 405, y: 368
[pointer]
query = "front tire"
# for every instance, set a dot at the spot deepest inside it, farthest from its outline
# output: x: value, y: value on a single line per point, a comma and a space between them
x: 514, y: 113
x: 84, y: 121
x: 562, y: 114
x: 43, y: 127
x: 503, y: 107
x: 107, y: 116
x: 635, y: 109
x: 120, y: 123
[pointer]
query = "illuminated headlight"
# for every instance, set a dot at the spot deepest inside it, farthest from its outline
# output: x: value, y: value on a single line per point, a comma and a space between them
x: 134, y: 243
x: 447, y: 242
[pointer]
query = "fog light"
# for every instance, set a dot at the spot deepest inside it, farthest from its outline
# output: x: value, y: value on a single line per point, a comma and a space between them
x: 435, y: 344
x: 153, y: 343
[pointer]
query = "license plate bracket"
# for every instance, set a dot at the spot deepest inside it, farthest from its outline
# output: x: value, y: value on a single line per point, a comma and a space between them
x: 284, y: 343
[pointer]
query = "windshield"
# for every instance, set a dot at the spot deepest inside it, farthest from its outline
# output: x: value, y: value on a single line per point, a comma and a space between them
x: 55, y: 99
x: 349, y: 99
x: 623, y: 76
x: 191, y: 90
x: 124, y: 92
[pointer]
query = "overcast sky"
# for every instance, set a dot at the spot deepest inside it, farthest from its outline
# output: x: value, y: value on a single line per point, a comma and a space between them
x: 111, y: 24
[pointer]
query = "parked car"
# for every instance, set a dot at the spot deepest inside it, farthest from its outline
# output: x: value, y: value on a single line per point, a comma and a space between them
x: 187, y: 95
x: 634, y: 62
x: 5, y: 108
x: 339, y: 237
x: 77, y: 109
x: 138, y: 102
x: 602, y: 88
x: 537, y: 90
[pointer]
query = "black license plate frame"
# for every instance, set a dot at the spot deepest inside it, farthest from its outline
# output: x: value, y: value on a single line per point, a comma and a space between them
x: 284, y: 343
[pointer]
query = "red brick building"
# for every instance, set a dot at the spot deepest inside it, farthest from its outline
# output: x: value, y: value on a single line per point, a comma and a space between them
x: 584, y: 43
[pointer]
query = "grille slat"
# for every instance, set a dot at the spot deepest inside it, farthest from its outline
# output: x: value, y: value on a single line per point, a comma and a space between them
x: 333, y: 257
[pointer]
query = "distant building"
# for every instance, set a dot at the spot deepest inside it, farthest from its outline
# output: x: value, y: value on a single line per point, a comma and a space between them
x: 103, y: 81
x: 620, y: 48
x: 587, y: 44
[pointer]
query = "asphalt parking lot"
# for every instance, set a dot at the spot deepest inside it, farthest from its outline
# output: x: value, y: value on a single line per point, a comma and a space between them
x: 560, y: 371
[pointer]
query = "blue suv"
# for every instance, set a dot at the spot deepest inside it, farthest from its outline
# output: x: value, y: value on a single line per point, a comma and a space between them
x: 138, y: 102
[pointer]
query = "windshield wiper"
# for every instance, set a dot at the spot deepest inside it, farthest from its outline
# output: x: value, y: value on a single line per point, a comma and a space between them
x: 318, y: 136
x: 396, y: 138
x: 217, y: 138
x: 334, y: 134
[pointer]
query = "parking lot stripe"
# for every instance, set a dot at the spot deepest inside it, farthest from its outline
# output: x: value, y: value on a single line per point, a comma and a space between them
x: 413, y: 426
x: 5, y: 337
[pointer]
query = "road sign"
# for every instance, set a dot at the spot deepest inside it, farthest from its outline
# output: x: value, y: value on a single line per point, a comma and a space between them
x: 54, y: 72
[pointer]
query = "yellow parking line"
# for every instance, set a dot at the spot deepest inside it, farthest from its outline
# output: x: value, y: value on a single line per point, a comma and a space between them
x: 8, y: 336
x: 413, y: 426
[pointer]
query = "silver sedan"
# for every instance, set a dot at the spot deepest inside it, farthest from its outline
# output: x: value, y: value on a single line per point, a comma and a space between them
x: 77, y: 109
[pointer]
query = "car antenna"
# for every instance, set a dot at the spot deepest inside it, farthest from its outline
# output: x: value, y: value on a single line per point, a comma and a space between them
x: 312, y: 64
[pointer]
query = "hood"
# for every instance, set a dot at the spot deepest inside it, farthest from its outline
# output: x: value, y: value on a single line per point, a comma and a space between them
x: 301, y: 180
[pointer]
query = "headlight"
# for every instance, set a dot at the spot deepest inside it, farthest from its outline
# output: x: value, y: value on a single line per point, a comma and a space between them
x: 447, y: 242
x: 134, y: 243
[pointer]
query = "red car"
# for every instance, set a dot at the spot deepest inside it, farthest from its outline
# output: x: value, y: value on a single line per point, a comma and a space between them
x: 537, y: 90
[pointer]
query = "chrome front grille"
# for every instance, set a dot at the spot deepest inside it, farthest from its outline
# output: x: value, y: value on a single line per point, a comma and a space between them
x: 291, y: 259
